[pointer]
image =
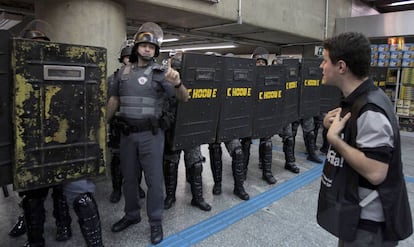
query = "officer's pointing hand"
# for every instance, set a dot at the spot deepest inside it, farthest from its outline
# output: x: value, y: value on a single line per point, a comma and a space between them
x: 172, y: 75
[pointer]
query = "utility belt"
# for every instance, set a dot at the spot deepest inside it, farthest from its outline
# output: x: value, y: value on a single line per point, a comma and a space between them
x: 148, y: 124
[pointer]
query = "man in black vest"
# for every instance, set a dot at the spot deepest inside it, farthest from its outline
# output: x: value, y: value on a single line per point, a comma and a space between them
x: 139, y: 91
x: 363, y: 198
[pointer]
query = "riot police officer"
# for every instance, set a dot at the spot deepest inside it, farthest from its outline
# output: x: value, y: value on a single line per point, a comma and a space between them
x: 234, y: 148
x: 265, y: 146
x: 78, y: 193
x: 288, y: 140
x: 193, y: 159
x: 139, y: 91
x: 115, y: 136
x: 308, y: 127
x: 33, y: 221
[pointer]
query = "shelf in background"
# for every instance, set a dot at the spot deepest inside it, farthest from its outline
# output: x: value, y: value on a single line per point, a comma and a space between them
x: 406, y: 133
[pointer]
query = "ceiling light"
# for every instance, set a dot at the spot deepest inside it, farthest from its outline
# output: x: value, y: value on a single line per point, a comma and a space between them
x: 8, y: 20
x: 400, y: 3
x: 169, y: 40
x: 199, y: 47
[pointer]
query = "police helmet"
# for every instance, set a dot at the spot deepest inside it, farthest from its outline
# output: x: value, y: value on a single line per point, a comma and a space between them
x: 35, y: 34
x: 126, y: 51
x: 261, y: 53
x: 151, y: 33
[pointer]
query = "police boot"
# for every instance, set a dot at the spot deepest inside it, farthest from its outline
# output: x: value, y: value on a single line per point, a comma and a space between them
x: 288, y: 150
x: 266, y: 147
x: 141, y: 192
x: 61, y: 214
x: 310, y: 147
x: 188, y: 175
x: 261, y: 154
x: 238, y: 174
x: 197, y: 187
x: 88, y: 217
x: 19, y: 228
x: 246, y: 143
x: 34, y: 213
x: 325, y: 144
x: 216, y: 166
x: 170, y: 180
x: 116, y: 179
x: 316, y: 132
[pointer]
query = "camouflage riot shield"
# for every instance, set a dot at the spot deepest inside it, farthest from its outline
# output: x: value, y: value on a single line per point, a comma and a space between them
x: 269, y: 100
x: 196, y: 119
x: 291, y: 96
x: 58, y: 112
x: 330, y: 98
x: 311, y: 76
x: 236, y: 116
x: 6, y: 140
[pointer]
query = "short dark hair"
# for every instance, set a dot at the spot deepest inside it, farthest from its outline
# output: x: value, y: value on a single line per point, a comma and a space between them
x: 353, y: 48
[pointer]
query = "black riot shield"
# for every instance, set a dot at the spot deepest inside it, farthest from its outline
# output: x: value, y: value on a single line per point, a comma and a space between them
x: 236, y: 118
x: 379, y: 76
x: 330, y: 98
x: 196, y: 120
x: 269, y: 100
x: 58, y: 112
x: 291, y: 96
x: 6, y: 140
x: 311, y: 76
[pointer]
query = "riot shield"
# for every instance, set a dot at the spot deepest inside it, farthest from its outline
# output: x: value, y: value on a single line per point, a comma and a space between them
x: 291, y: 96
x: 196, y: 119
x: 380, y: 76
x: 330, y: 98
x: 269, y: 100
x: 311, y: 76
x: 58, y: 112
x: 6, y: 140
x: 236, y: 118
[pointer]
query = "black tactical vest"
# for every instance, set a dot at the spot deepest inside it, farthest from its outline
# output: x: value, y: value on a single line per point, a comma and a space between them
x: 140, y: 92
x: 338, y: 204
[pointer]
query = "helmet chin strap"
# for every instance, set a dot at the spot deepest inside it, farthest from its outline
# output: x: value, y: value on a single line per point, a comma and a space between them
x: 145, y: 58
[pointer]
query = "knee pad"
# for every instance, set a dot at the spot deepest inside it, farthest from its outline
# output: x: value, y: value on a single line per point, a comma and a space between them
x: 237, y: 154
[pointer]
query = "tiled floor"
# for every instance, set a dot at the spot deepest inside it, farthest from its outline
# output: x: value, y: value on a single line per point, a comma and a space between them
x: 283, y: 214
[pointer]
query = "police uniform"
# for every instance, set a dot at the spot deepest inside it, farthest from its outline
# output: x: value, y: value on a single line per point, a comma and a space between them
x: 308, y: 128
x: 113, y: 144
x: 288, y: 140
x: 194, y: 165
x: 193, y: 161
x: 234, y: 148
x: 141, y: 93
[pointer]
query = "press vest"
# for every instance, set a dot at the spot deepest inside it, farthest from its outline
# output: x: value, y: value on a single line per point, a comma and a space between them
x: 140, y: 92
x: 338, y: 205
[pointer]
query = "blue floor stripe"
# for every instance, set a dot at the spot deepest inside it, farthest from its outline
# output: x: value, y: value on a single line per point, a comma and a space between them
x: 219, y: 222
x: 409, y: 179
